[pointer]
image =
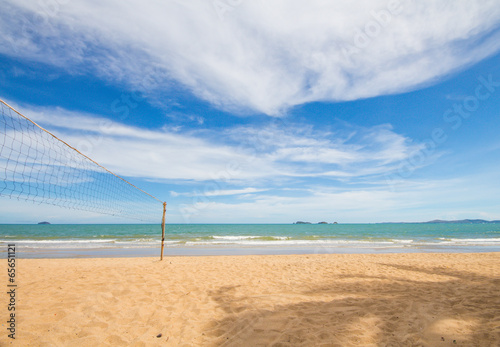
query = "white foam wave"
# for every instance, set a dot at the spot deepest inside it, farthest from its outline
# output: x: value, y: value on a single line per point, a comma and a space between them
x: 402, y: 241
x: 471, y: 242
x: 60, y: 241
x: 86, y: 243
x: 493, y: 239
x: 248, y: 240
x: 289, y: 242
x: 230, y: 237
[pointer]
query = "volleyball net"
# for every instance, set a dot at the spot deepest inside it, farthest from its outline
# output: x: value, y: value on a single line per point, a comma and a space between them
x: 37, y: 166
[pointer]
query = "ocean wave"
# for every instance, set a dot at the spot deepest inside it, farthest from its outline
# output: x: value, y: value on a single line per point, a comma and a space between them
x: 85, y: 243
x: 249, y: 237
x: 402, y: 241
x: 230, y: 237
x: 60, y: 241
x: 292, y: 242
x: 248, y: 241
x: 491, y: 239
x: 479, y: 241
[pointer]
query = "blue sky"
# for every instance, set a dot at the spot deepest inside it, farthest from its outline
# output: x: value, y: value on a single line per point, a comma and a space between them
x: 268, y: 112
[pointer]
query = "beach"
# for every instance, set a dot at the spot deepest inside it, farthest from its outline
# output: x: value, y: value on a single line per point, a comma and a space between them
x: 408, y: 299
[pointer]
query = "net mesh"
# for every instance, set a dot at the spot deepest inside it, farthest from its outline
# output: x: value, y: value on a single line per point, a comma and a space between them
x: 37, y: 166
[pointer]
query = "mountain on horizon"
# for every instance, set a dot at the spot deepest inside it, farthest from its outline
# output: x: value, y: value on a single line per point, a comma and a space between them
x: 464, y: 221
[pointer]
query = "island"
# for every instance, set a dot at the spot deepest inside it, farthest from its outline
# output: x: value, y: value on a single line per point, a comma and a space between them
x: 301, y: 222
x: 463, y: 221
x: 43, y: 223
x: 440, y: 221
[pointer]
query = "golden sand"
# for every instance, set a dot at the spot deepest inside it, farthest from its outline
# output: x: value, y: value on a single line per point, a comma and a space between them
x: 291, y: 300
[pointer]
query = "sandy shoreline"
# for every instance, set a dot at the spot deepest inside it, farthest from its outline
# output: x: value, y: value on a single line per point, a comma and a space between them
x: 282, y: 300
x: 60, y: 253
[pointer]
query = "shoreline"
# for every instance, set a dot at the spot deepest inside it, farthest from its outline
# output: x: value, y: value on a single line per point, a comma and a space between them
x: 70, y: 253
x: 429, y: 299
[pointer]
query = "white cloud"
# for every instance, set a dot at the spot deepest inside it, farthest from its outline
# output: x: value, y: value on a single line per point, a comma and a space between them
x: 220, y: 192
x: 320, y: 203
x: 243, y: 181
x: 262, y: 56
x: 216, y: 191
x: 416, y: 201
x: 21, y: 211
x: 237, y: 154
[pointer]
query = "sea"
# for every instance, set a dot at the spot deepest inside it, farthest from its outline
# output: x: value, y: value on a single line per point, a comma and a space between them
x: 132, y: 240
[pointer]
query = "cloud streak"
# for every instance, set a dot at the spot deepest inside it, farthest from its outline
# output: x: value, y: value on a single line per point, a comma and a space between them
x: 259, y: 56
x: 345, y: 205
x: 238, y: 154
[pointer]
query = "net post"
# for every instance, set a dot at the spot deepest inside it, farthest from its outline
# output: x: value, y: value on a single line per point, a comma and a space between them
x: 163, y: 229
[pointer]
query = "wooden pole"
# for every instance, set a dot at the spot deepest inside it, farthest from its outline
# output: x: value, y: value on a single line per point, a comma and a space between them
x: 163, y: 229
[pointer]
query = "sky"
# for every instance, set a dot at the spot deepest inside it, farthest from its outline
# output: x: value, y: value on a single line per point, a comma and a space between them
x: 237, y: 111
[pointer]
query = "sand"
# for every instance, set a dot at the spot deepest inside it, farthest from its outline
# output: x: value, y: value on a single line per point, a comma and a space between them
x: 291, y: 300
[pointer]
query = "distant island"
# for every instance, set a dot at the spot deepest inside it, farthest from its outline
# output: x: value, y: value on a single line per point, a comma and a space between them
x: 435, y: 221
x: 440, y: 221
x: 464, y: 221
x: 301, y: 222
x: 43, y: 223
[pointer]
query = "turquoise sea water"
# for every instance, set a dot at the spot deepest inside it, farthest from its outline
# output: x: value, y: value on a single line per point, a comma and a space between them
x: 56, y: 240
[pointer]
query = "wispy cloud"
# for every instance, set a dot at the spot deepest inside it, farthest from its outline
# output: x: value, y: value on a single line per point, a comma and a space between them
x: 237, y: 154
x: 260, y: 56
x: 416, y: 201
x: 221, y: 192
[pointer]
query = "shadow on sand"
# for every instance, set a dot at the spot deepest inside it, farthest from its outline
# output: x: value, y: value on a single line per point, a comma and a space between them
x: 458, y: 308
